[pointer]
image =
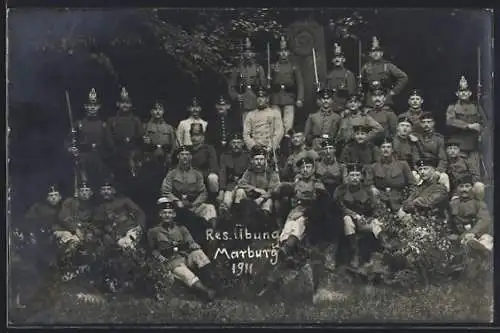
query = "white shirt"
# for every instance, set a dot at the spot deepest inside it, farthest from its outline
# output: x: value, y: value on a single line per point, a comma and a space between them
x: 183, y: 135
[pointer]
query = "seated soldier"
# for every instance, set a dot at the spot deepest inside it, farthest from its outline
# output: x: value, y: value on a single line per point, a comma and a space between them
x: 359, y: 150
x: 389, y: 176
x: 358, y: 206
x: 429, y: 196
x: 232, y: 166
x: 173, y: 246
x: 403, y: 144
x: 459, y: 166
x: 120, y: 223
x: 204, y: 158
x: 75, y: 225
x: 258, y: 181
x: 185, y: 187
x: 328, y: 169
x: 354, y: 115
x: 299, y: 149
x: 470, y: 217
x: 183, y: 130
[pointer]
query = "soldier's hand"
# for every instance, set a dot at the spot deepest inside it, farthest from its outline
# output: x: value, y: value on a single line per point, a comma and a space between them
x: 413, y: 138
x: 79, y: 234
x: 474, y: 127
x: 357, y: 217
x: 299, y: 103
x: 468, y: 236
x: 392, y: 93
x: 240, y: 98
x: 179, y: 204
x: 375, y: 191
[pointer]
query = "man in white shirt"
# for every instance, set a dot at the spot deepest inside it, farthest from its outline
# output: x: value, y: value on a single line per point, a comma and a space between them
x: 183, y: 134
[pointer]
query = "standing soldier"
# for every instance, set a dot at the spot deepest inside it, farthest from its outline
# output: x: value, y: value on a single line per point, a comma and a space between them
x: 127, y: 130
x: 340, y: 79
x: 414, y: 113
x: 219, y: 130
x: 352, y: 115
x: 378, y: 69
x: 287, y: 87
x: 258, y: 181
x: 183, y: 135
x: 324, y: 121
x: 121, y: 223
x: 232, y: 166
x: 204, y: 158
x: 244, y: 79
x: 264, y: 125
x: 94, y: 143
x: 159, y: 144
x: 381, y: 112
x: 430, y: 144
x: 185, y: 186
x: 466, y: 122
x: 389, y: 177
x: 299, y: 149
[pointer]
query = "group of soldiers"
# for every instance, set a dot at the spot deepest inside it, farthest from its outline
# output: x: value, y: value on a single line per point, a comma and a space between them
x: 354, y: 154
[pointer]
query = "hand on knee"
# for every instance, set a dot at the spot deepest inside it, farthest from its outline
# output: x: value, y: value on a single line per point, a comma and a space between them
x: 349, y: 226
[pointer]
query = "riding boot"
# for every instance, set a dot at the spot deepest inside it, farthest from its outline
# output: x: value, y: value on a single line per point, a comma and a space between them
x: 207, y: 293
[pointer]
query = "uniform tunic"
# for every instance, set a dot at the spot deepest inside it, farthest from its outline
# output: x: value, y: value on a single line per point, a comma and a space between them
x: 125, y: 126
x: 319, y: 123
x: 338, y: 77
x: 386, y: 118
x: 347, y: 123
x: 458, y: 167
x: 183, y: 134
x: 244, y: 80
x: 263, y: 127
x: 431, y: 195
x: 414, y: 116
x: 75, y: 214
x: 330, y: 173
x: 431, y: 145
x: 162, y: 136
x: 265, y: 180
x: 458, y: 116
x: 355, y: 200
x: 187, y: 185
x: 165, y: 238
x: 205, y: 159
x: 232, y: 167
x: 391, y: 176
x: 470, y: 213
x: 364, y: 153
x: 406, y: 150
x: 219, y: 131
x: 385, y: 72
x: 287, y: 84
x: 290, y: 168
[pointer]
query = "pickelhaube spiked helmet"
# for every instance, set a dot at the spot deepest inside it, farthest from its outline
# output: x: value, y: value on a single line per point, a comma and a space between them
x: 158, y: 106
x: 283, y: 44
x: 307, y: 159
x: 377, y: 88
x: 53, y: 189
x: 221, y: 101
x: 337, y: 50
x: 84, y: 185
x: 248, y: 44
x: 463, y: 85
x: 195, y: 105
x: 92, y: 98
x: 375, y: 46
x: 327, y: 141
x: 325, y: 93
x: 124, y: 96
x: 262, y: 91
x: 236, y: 136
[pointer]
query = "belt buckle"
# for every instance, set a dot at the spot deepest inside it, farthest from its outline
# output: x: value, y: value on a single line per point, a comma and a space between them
x: 94, y: 146
x: 184, y: 196
x: 158, y: 146
x: 249, y: 87
x: 127, y: 139
x: 282, y: 87
x: 387, y: 189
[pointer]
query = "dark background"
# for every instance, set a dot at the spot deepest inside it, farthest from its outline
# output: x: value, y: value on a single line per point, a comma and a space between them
x: 433, y: 46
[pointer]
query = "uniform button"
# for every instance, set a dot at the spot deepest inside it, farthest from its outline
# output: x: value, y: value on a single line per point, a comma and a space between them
x: 158, y: 146
x: 282, y: 87
x: 94, y: 145
x: 249, y: 87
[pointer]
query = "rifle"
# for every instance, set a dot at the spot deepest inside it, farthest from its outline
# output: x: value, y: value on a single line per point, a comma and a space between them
x: 268, y: 66
x: 73, y: 145
x: 360, y: 78
x: 241, y: 86
x: 478, y: 106
x: 315, y: 70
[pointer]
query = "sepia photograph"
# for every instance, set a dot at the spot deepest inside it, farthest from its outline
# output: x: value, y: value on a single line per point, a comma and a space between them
x: 193, y: 166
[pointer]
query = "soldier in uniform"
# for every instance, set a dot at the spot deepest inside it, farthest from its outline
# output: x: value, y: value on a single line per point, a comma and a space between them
x: 185, y: 186
x: 359, y: 150
x: 328, y: 169
x: 287, y: 86
x: 263, y: 126
x: 324, y: 121
x: 466, y: 122
x: 219, y: 130
x: 232, y: 166
x: 299, y: 149
x: 120, y: 222
x: 381, y: 112
x: 340, y: 79
x: 127, y: 131
x: 470, y: 217
x: 244, y: 79
x: 94, y: 143
x: 403, y: 143
x: 429, y: 197
x: 159, y: 144
x: 381, y: 70
x: 358, y: 204
x: 389, y: 177
x: 184, y: 128
x: 204, y: 158
x: 173, y: 246
x: 458, y: 167
x: 414, y: 112
x: 354, y: 115
x: 258, y: 181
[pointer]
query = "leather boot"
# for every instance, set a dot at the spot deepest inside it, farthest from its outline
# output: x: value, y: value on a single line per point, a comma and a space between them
x: 208, y: 293
x: 353, y: 250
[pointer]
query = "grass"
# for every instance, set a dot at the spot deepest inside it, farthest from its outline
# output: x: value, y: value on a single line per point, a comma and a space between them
x: 453, y: 301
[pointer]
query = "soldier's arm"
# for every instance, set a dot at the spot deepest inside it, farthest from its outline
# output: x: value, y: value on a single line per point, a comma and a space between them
x: 166, y: 187
x: 188, y: 239
x: 351, y: 83
x: 173, y: 140
x: 393, y: 123
x: 299, y: 81
x: 137, y: 212
x: 483, y: 219
x: 261, y: 76
x: 308, y: 130
x: 474, y: 171
x: 452, y: 121
x: 247, y: 132
x: 244, y: 182
x: 376, y: 128
x: 335, y: 126
x: 213, y: 165
x: 233, y: 84
x: 438, y: 194
x: 180, y: 132
x: 370, y: 176
x: 400, y: 76
x: 201, y: 189
x: 337, y: 197
x: 274, y: 182
x: 441, y: 152
x: 222, y: 172
x: 410, y: 179
x: 278, y: 129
